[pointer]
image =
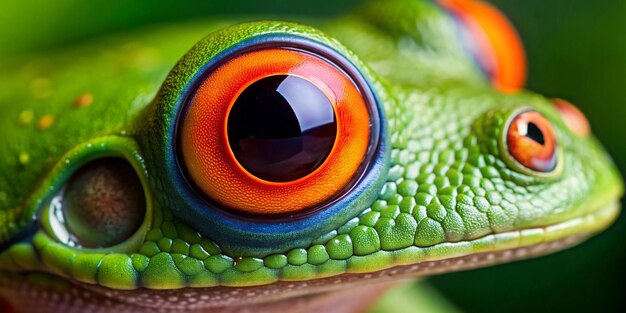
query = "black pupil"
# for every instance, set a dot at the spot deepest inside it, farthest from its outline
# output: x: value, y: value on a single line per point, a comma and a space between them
x: 533, y: 132
x: 281, y: 128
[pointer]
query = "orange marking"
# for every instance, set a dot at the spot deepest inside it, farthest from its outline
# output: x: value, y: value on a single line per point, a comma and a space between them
x: 214, y: 168
x: 574, y: 118
x: 45, y: 122
x: 495, y: 34
x: 84, y: 100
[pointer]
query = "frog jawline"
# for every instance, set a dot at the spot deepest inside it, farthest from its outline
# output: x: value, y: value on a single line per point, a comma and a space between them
x: 504, y: 248
x: 556, y: 237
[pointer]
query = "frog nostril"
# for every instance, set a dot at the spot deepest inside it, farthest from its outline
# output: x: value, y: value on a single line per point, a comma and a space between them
x: 573, y: 117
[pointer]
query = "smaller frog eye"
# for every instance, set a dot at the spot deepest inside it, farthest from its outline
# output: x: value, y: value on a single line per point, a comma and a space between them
x: 492, y: 41
x: 103, y: 204
x: 574, y: 119
x: 531, y: 141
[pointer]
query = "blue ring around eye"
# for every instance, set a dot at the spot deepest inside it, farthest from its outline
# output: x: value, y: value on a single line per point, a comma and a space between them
x: 242, y: 235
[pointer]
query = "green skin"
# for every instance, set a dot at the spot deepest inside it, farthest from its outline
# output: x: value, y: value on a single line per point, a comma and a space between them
x: 452, y: 192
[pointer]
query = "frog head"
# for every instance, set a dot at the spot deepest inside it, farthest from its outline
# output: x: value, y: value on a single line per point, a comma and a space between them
x: 276, y: 159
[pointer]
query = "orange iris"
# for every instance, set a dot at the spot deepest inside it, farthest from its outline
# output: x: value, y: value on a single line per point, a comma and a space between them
x: 498, y: 47
x: 216, y: 170
x: 531, y: 141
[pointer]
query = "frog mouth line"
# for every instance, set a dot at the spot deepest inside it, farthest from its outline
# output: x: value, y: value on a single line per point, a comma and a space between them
x: 505, y: 247
x: 482, y: 252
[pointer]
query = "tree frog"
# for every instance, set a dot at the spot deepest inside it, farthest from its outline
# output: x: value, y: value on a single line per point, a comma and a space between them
x: 231, y: 165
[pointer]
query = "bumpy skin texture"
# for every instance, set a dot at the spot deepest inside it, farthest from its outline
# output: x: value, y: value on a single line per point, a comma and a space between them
x: 449, y: 188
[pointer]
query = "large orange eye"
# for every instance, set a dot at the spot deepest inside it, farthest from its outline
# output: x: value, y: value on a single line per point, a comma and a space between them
x: 531, y: 141
x: 492, y: 41
x: 274, y: 131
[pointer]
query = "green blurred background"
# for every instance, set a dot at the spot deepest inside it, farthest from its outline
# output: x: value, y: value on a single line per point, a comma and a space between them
x: 576, y: 50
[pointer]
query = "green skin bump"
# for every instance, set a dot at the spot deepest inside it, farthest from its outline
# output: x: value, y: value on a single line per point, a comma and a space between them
x: 451, y: 189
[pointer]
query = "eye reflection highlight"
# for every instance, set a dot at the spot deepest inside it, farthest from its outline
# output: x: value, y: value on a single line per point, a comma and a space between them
x: 281, y: 128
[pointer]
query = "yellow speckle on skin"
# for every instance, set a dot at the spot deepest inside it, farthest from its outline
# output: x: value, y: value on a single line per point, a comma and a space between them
x: 24, y: 158
x: 84, y: 100
x: 26, y: 117
x: 41, y: 88
x: 140, y: 57
x: 45, y: 122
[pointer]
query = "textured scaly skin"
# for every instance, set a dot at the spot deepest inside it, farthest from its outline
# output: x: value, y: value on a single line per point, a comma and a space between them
x: 450, y: 193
